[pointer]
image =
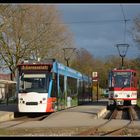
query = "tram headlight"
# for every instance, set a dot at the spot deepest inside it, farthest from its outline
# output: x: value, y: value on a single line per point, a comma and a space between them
x: 116, y: 95
x: 128, y: 95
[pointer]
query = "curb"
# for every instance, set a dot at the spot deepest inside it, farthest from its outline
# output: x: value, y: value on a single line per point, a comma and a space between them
x: 7, y: 116
x: 101, y: 113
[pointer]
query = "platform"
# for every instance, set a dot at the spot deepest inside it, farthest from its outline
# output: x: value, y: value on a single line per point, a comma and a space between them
x: 82, y: 115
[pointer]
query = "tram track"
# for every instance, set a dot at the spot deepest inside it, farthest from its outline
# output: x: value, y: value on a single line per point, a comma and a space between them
x: 24, y: 119
x: 120, y: 130
x: 113, y: 115
x: 93, y: 131
x: 32, y: 117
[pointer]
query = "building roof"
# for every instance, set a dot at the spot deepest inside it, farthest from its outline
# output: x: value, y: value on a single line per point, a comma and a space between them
x: 7, y: 82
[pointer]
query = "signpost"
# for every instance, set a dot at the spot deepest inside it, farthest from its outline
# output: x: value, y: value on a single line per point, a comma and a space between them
x: 95, y: 79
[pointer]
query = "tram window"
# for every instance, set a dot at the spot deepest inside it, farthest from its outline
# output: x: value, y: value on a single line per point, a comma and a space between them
x: 72, y: 86
x: 35, y: 83
x: 86, y: 87
x: 54, y: 88
x: 126, y: 82
x: 80, y: 91
x: 120, y: 80
x: 134, y: 74
x: 61, y: 83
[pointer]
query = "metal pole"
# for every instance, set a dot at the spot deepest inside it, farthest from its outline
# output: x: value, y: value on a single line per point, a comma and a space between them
x: 67, y: 62
x: 122, y: 62
x: 7, y: 96
x: 97, y: 91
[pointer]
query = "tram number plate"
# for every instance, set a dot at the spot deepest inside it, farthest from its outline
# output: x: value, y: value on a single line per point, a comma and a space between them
x: 119, y: 100
x: 31, y: 103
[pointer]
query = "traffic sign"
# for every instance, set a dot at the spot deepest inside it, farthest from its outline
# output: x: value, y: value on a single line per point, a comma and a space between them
x: 94, y: 76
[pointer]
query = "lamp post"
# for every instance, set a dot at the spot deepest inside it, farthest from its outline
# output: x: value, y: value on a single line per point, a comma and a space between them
x: 68, y: 56
x: 122, y: 49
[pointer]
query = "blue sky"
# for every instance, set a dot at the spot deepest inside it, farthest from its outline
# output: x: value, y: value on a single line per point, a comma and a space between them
x: 96, y: 29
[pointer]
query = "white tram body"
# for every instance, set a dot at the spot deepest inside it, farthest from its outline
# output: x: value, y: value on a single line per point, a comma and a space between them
x: 50, y: 86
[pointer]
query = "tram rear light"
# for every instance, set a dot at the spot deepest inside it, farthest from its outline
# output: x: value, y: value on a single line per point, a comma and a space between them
x: 133, y: 94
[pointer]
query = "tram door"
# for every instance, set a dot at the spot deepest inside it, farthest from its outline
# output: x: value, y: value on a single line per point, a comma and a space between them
x: 61, y: 93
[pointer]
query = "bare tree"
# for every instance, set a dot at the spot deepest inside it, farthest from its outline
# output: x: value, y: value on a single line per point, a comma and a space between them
x: 83, y: 61
x: 30, y: 31
x: 135, y: 31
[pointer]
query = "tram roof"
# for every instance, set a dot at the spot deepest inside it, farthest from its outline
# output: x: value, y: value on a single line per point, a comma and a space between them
x: 42, y: 62
x: 62, y: 68
x: 124, y: 70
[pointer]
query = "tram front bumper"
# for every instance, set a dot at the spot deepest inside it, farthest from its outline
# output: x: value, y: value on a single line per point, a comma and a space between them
x: 119, y: 102
x: 116, y: 102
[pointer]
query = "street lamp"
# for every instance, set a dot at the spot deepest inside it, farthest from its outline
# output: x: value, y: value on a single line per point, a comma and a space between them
x: 122, y: 49
x: 67, y: 54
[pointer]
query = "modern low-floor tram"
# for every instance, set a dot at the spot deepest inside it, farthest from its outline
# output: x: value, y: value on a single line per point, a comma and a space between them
x: 50, y: 86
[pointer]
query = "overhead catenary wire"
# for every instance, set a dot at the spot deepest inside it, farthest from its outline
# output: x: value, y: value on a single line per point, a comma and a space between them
x: 125, y: 20
x: 92, y: 21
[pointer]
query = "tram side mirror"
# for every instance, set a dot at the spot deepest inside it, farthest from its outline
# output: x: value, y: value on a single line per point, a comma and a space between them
x: 107, y: 90
x: 53, y: 76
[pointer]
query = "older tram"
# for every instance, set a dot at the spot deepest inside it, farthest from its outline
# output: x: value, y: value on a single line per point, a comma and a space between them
x: 122, y: 88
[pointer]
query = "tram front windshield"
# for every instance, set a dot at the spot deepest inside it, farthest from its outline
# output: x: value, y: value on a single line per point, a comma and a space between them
x: 34, y: 83
x: 121, y: 79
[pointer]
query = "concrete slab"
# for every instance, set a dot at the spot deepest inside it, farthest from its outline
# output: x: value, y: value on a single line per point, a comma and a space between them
x: 7, y: 112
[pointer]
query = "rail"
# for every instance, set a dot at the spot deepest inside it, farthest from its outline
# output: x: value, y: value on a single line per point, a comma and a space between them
x: 131, y: 116
x: 95, y: 131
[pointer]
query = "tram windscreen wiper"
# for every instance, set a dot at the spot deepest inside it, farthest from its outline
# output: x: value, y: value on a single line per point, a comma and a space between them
x: 22, y: 91
x: 123, y: 87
